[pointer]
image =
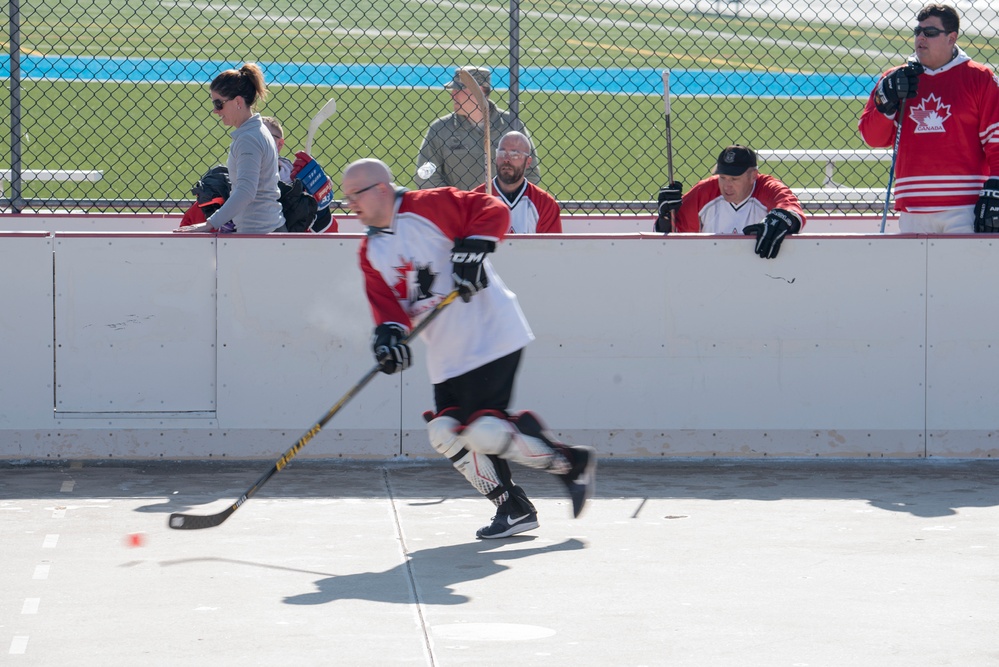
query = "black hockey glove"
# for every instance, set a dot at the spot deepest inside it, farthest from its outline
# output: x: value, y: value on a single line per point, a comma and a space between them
x: 391, y: 353
x: 769, y: 233
x: 670, y: 197
x: 897, y: 85
x: 987, y: 208
x: 467, y: 270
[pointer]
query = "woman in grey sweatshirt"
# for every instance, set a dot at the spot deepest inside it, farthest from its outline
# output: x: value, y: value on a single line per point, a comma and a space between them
x: 252, y: 206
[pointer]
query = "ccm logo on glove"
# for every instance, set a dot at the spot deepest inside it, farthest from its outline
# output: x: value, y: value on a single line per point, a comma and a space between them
x: 468, y: 273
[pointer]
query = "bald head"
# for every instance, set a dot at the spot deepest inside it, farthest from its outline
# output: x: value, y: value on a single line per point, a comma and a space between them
x: 370, y: 170
x: 369, y: 192
x: 513, y: 157
x: 515, y: 141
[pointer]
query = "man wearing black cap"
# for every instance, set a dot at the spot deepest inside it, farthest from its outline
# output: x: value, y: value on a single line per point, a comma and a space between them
x: 453, y: 152
x: 737, y: 199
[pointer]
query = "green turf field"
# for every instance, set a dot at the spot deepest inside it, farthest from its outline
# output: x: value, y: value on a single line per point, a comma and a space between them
x: 153, y: 140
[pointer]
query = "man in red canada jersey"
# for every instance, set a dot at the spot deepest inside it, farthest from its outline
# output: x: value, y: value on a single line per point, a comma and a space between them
x: 420, y: 246
x: 947, y: 166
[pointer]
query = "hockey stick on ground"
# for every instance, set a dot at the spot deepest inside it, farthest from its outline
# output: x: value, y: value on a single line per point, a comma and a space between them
x: 469, y: 82
x: 323, y: 114
x: 180, y: 521
x: 669, y: 137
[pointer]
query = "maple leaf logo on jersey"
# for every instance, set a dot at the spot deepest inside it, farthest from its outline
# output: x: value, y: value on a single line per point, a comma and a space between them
x: 930, y: 115
x: 414, y: 281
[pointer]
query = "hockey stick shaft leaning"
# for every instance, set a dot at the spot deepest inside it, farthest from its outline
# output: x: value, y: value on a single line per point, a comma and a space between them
x: 473, y: 87
x: 891, y: 169
x: 669, y: 132
x: 669, y: 139
x: 180, y: 521
x: 323, y: 114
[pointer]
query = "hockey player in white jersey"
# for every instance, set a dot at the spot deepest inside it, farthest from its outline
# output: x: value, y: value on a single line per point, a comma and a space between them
x: 421, y: 245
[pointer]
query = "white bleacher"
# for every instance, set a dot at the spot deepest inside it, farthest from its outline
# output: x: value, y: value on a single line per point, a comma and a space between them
x: 78, y: 175
x: 55, y: 175
x: 831, y: 192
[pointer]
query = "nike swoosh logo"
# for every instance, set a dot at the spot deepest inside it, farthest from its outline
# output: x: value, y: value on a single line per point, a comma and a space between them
x: 513, y: 520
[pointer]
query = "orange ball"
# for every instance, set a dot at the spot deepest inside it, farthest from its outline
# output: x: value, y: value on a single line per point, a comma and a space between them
x: 135, y: 540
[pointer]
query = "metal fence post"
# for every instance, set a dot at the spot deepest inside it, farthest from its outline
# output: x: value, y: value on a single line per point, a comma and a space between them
x: 514, y: 58
x: 16, y: 201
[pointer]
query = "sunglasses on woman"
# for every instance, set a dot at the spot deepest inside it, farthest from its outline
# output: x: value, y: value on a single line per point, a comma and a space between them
x: 218, y: 104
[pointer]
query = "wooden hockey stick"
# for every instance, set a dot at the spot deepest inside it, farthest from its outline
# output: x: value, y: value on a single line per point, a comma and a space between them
x: 323, y: 114
x: 181, y: 521
x: 472, y: 85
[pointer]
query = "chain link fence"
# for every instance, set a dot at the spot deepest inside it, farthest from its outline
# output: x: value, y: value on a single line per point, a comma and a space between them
x: 110, y: 107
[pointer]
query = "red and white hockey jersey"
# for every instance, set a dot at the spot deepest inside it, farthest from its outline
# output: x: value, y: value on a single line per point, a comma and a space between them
x: 950, y: 137
x: 407, y: 272
x: 703, y: 209
x: 532, y: 210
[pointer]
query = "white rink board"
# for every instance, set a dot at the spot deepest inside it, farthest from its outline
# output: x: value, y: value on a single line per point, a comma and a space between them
x: 26, y: 364
x: 294, y: 336
x: 963, y: 344
x: 646, y: 346
x: 670, y: 342
x: 135, y: 324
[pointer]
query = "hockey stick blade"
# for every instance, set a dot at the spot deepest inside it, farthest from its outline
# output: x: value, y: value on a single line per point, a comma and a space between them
x: 321, y: 116
x: 181, y: 521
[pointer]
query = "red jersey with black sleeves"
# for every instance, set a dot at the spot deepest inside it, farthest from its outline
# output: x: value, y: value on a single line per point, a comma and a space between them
x: 703, y: 209
x: 949, y: 144
x: 407, y: 272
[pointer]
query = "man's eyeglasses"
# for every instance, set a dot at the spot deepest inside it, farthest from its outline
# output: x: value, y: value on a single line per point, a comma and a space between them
x: 929, y: 31
x: 218, y: 104
x: 513, y: 155
x: 353, y: 197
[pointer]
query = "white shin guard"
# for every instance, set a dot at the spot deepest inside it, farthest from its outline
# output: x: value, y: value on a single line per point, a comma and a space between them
x: 499, y: 437
x: 476, y: 467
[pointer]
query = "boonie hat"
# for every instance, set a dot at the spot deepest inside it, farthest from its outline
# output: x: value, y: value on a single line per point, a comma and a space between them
x: 480, y: 74
x: 735, y: 160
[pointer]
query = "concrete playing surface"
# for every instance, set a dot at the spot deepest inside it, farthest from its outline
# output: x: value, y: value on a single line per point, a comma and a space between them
x: 694, y: 563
